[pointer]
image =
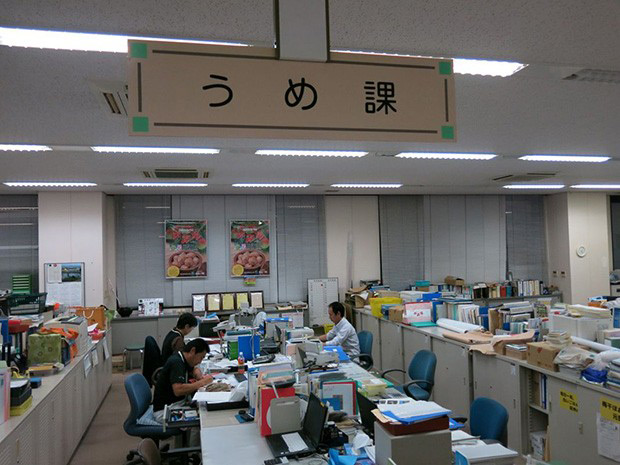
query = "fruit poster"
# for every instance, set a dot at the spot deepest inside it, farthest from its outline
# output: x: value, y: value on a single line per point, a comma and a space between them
x: 249, y: 248
x: 186, y: 248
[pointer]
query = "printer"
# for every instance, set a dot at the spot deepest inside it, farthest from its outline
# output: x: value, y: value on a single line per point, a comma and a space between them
x: 75, y: 323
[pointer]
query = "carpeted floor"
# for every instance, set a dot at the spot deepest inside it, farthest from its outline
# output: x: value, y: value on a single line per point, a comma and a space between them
x: 105, y: 441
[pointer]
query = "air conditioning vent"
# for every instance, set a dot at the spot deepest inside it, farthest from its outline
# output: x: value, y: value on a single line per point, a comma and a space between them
x: 595, y: 75
x: 113, y: 96
x: 524, y: 177
x: 170, y: 173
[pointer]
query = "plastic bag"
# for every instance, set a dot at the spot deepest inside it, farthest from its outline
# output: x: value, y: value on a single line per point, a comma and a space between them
x: 574, y: 357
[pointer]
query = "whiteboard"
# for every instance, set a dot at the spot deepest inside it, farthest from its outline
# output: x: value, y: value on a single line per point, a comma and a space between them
x: 64, y: 283
x: 321, y: 293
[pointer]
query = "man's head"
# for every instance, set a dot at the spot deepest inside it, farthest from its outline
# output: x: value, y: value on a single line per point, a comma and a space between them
x: 186, y: 323
x: 336, y: 312
x: 194, y: 351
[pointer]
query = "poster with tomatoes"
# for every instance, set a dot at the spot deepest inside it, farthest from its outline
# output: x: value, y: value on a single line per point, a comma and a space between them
x: 186, y: 248
x: 249, y: 248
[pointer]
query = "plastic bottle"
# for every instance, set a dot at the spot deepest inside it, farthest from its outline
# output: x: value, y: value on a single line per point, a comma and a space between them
x: 241, y: 362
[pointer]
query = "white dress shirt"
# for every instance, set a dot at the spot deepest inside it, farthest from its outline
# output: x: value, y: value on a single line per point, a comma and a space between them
x: 343, y: 334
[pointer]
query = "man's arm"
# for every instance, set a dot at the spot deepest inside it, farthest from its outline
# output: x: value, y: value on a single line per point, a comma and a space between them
x: 197, y: 373
x: 184, y: 389
x: 329, y: 336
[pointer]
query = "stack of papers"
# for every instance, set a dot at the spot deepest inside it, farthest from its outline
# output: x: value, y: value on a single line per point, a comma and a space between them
x: 413, y: 412
x: 212, y: 397
x: 495, y: 454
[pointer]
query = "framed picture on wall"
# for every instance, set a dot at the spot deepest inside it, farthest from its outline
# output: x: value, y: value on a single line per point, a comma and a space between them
x: 228, y: 301
x: 249, y: 248
x: 256, y: 299
x: 214, y: 302
x: 199, y: 303
x: 185, y: 248
x: 241, y: 298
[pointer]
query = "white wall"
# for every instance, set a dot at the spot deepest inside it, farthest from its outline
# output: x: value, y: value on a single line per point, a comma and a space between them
x: 352, y: 223
x: 574, y: 220
x: 588, y: 226
x: 71, y: 229
x: 109, y: 247
x: 465, y: 236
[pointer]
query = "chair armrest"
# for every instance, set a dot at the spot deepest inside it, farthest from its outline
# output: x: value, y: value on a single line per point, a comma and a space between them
x: 390, y: 371
x: 363, y: 359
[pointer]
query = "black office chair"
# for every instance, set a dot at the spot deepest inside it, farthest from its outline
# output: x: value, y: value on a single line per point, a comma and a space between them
x: 152, y: 360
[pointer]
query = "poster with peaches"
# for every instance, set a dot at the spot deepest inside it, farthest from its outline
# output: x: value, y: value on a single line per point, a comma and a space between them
x: 186, y: 248
x: 249, y: 248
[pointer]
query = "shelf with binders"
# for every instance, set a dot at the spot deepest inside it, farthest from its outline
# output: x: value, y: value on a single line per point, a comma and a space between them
x: 538, y: 410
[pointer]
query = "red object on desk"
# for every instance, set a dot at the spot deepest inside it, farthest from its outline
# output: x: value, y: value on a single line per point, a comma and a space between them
x: 266, y: 394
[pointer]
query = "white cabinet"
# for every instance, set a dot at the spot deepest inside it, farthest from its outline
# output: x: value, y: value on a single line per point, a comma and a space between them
x: 371, y: 324
x: 452, y: 377
x: 391, y: 350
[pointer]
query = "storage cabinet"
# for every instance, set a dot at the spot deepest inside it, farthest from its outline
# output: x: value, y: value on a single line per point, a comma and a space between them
x: 452, y: 377
x: 392, y: 350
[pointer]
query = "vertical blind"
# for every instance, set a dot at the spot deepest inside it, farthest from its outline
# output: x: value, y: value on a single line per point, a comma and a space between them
x: 401, y: 223
x: 19, y: 238
x: 300, y: 226
x: 525, y: 237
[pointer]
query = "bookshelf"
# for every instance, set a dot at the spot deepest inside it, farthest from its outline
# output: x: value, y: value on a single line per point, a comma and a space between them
x: 486, y: 301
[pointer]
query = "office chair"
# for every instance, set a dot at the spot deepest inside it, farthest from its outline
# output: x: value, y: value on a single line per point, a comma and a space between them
x: 147, y: 453
x: 422, y: 373
x: 152, y: 360
x: 364, y: 359
x: 139, y: 394
x: 488, y: 420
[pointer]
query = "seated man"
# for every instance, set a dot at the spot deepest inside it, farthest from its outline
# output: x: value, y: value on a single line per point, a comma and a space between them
x: 343, y: 333
x: 173, y: 384
x: 175, y: 339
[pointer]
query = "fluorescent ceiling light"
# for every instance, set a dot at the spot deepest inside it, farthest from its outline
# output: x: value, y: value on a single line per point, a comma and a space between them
x: 165, y: 184
x: 313, y: 153
x: 611, y: 187
x: 566, y: 158
x: 24, y: 148
x: 460, y: 65
x: 534, y: 186
x: 265, y: 184
x: 447, y: 156
x: 112, y: 149
x: 16, y: 224
x: 369, y: 186
x: 84, y: 41
x: 49, y: 184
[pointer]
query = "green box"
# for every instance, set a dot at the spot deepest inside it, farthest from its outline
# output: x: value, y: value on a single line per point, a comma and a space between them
x: 138, y: 50
x: 44, y: 348
x: 445, y: 67
x: 447, y: 132
x: 140, y: 124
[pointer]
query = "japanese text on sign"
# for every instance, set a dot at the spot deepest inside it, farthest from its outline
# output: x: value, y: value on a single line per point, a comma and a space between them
x: 194, y: 90
x: 569, y: 401
x: 610, y: 409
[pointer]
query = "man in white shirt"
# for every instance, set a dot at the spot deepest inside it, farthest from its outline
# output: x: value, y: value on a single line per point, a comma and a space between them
x: 343, y: 333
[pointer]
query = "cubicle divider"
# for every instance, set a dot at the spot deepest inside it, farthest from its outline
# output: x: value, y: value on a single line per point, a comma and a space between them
x: 463, y: 375
x: 63, y: 407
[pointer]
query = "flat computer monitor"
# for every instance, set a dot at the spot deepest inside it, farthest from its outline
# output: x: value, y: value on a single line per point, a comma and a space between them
x: 366, y: 407
x: 314, y: 420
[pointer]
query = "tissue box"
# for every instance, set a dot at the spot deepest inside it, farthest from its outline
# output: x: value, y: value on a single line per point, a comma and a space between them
x: 44, y: 348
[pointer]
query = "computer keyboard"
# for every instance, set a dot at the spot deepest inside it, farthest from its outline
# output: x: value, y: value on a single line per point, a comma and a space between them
x: 294, y: 442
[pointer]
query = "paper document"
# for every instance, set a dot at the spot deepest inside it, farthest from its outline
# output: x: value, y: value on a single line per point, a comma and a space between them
x: 460, y: 435
x: 486, y: 451
x: 608, y: 438
x: 212, y: 397
x: 294, y: 442
x: 413, y: 411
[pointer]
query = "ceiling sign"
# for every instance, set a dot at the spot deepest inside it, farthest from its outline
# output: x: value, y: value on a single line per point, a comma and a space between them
x: 193, y: 90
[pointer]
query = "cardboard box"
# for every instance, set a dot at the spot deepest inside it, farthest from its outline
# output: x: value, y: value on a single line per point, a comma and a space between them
x: 542, y: 354
x: 514, y: 353
x: 584, y: 327
x: 386, y: 293
x: 396, y: 313
x: 454, y: 281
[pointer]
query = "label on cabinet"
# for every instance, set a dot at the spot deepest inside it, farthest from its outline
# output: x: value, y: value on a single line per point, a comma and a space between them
x: 569, y: 401
x: 610, y: 409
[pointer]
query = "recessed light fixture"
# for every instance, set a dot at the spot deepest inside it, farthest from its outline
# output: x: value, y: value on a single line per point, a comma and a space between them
x: 534, y: 186
x: 566, y: 158
x: 610, y: 187
x: 266, y: 184
x: 368, y: 186
x: 113, y: 149
x: 460, y: 65
x: 24, y: 148
x: 165, y: 184
x: 49, y: 184
x: 447, y: 156
x: 84, y: 41
x: 313, y: 153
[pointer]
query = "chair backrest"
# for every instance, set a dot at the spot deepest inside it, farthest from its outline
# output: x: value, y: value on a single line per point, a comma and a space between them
x: 422, y: 367
x: 139, y: 394
x: 148, y: 451
x: 152, y: 358
x: 365, y: 338
x: 488, y: 419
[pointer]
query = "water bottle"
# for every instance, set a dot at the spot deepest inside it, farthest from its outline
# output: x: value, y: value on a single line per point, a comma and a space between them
x: 241, y: 362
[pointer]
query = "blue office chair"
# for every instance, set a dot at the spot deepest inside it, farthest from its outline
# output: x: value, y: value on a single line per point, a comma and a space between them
x: 422, y: 373
x: 139, y: 394
x: 488, y: 420
x: 364, y: 359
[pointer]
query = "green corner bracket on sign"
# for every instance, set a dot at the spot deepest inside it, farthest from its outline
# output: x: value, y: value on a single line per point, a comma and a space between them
x: 447, y: 132
x: 140, y: 124
x: 445, y: 67
x: 138, y: 50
